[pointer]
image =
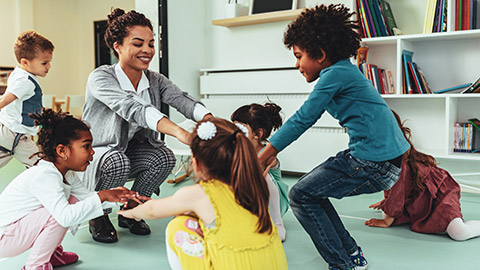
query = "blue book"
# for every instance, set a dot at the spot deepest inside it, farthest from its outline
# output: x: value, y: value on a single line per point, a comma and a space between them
x: 407, y: 57
x: 452, y: 88
x: 380, y: 20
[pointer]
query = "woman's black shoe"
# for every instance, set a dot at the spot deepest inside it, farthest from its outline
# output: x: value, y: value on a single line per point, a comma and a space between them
x: 102, y: 230
x: 135, y: 227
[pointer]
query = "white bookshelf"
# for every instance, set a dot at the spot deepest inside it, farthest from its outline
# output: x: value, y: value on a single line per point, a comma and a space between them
x: 447, y: 59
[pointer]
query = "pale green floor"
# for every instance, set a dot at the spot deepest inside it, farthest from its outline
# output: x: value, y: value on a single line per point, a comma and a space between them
x: 394, y: 248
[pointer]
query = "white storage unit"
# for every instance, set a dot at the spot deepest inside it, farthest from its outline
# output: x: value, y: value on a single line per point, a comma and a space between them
x: 447, y: 59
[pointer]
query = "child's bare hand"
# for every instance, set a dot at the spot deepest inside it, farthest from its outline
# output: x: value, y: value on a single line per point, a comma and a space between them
x: 376, y: 223
x: 127, y: 214
x: 377, y: 206
x: 122, y: 195
x: 272, y: 161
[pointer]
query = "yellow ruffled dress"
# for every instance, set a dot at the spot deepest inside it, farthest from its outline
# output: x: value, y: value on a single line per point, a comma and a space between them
x: 233, y: 242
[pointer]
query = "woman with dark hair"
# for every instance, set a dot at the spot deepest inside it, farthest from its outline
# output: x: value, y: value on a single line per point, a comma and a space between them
x: 122, y: 105
x: 426, y: 197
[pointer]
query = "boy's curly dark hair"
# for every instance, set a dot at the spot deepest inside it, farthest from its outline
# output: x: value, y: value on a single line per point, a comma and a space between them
x: 327, y: 27
x: 118, y: 24
x: 29, y: 43
x: 56, y: 128
x: 266, y: 117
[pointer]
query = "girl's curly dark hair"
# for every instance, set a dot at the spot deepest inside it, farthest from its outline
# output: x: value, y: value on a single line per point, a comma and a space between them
x: 266, y: 117
x: 118, y: 24
x: 56, y: 128
x: 324, y: 27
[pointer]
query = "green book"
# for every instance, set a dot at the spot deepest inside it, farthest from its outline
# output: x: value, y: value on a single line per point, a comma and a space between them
x: 388, y: 15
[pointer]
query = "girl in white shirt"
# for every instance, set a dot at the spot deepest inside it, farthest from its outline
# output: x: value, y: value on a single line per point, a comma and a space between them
x: 41, y: 203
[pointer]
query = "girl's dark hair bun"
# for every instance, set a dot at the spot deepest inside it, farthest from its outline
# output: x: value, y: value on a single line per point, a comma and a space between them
x: 56, y: 128
x: 274, y: 111
x: 114, y: 15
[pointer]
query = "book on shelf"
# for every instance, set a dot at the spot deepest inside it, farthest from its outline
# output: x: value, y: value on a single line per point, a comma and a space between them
x: 381, y: 79
x: 388, y: 15
x: 422, y: 79
x: 407, y: 56
x: 361, y: 17
x: 413, y: 79
x: 379, y: 18
x: 467, y: 14
x: 436, y: 16
x: 391, y: 83
x: 376, y: 18
x: 457, y: 88
x: 474, y: 88
x: 429, y: 16
x: 467, y: 136
x: 416, y: 79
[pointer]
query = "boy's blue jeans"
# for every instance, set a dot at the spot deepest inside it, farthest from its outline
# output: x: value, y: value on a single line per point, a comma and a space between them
x: 339, y: 176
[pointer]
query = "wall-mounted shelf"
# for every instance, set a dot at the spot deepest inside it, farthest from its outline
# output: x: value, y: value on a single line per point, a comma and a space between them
x: 268, y: 17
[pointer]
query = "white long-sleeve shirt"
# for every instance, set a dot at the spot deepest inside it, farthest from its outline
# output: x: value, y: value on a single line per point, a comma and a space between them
x: 43, y: 186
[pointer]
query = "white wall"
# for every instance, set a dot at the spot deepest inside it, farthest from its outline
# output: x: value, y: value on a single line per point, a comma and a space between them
x: 69, y: 25
x: 15, y: 17
x: 247, y: 46
x: 188, y: 41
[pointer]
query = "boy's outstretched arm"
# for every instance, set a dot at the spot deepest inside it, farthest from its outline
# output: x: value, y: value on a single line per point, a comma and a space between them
x: 6, y: 99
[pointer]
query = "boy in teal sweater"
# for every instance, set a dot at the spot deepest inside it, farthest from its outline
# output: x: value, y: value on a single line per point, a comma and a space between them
x: 323, y: 39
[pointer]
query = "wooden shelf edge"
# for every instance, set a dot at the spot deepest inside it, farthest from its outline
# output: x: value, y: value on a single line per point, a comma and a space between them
x: 268, y: 17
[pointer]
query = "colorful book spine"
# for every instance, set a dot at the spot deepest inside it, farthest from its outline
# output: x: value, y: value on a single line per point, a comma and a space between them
x: 391, y: 83
x: 414, y: 78
x: 364, y: 21
x: 407, y: 57
x: 371, y: 16
x: 379, y: 17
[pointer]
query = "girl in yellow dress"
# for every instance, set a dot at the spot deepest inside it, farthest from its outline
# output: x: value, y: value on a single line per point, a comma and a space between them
x: 224, y: 221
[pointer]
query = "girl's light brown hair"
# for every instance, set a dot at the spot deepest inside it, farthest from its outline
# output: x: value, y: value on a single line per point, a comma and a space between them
x: 229, y: 157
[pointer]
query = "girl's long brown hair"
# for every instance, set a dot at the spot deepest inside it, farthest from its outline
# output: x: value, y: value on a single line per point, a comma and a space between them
x: 229, y: 157
x: 413, y: 157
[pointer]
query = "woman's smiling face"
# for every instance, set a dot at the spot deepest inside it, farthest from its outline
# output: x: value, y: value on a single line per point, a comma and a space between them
x: 137, y: 50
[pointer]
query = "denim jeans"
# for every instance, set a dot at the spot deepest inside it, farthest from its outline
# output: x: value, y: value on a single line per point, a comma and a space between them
x: 339, y: 176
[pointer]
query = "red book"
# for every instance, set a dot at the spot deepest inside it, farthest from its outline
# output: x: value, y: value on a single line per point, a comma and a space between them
x: 380, y: 78
x: 465, y: 14
x: 414, y: 78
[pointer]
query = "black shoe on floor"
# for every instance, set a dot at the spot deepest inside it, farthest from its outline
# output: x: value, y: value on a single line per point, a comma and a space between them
x: 102, y: 230
x: 135, y: 227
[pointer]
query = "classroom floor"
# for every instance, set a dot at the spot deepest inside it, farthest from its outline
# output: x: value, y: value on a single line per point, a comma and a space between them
x: 393, y: 248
